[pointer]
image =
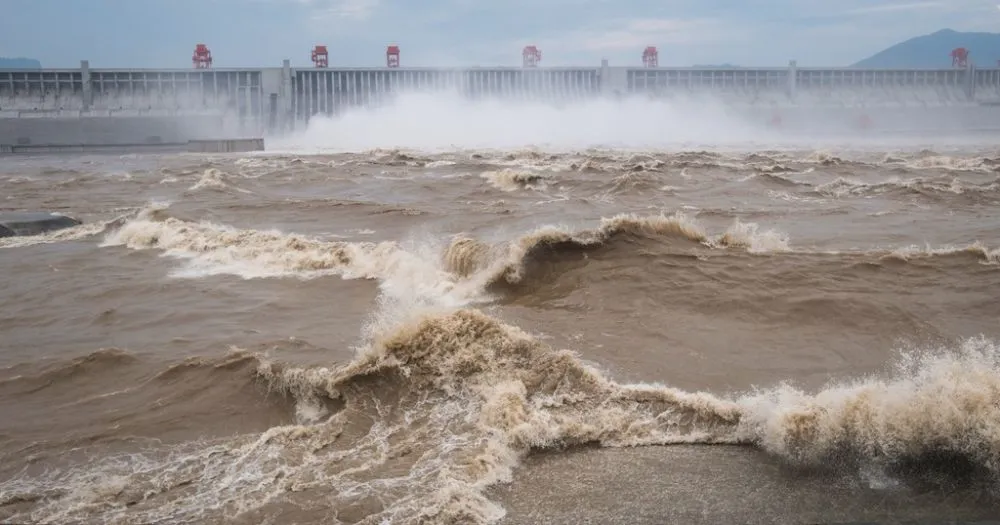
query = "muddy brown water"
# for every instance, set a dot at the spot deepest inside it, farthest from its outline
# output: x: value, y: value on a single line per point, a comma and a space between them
x: 503, y: 337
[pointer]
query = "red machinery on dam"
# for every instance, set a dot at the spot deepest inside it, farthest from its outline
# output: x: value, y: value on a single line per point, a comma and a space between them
x: 651, y: 57
x: 531, y: 57
x: 202, y: 57
x: 320, y: 57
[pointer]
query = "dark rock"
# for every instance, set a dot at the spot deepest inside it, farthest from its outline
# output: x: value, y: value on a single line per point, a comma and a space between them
x: 21, y: 223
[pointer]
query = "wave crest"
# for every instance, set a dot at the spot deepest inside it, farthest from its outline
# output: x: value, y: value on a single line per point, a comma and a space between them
x: 217, y: 249
x: 510, y: 262
x: 935, y: 402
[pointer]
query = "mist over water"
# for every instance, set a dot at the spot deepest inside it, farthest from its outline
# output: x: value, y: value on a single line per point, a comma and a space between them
x: 437, y: 121
x: 440, y: 311
x: 442, y: 121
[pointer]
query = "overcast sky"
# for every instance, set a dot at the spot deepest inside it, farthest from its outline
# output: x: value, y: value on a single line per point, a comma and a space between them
x: 162, y: 33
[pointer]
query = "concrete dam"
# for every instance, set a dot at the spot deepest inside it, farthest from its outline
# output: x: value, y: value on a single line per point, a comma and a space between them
x: 148, y: 106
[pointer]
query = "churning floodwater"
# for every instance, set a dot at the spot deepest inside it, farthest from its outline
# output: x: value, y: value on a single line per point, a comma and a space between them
x: 390, y: 320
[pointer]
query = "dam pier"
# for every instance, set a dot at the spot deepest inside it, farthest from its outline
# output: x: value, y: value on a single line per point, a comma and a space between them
x: 93, y: 106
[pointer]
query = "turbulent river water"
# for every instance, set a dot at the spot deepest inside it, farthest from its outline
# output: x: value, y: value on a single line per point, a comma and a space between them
x: 520, y: 335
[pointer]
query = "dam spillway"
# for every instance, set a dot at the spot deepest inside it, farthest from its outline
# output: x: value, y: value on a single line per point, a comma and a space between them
x: 85, y: 105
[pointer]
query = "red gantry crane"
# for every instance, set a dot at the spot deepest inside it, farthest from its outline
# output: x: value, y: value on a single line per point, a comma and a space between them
x: 392, y: 56
x: 532, y: 56
x: 651, y: 57
x: 320, y: 57
x: 960, y: 57
x: 202, y: 57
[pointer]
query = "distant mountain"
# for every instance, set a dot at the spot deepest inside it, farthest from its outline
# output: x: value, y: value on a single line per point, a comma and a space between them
x: 19, y: 63
x: 934, y: 51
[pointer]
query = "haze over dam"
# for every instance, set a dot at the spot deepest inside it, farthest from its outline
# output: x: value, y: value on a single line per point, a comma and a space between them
x: 89, y: 105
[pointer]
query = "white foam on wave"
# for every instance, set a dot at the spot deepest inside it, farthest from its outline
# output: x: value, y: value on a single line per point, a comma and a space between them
x: 932, y: 401
x: 405, y: 269
x: 216, y: 180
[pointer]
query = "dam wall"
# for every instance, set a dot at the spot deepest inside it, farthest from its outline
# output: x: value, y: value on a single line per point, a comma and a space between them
x: 55, y: 128
x: 95, y: 106
x: 109, y: 106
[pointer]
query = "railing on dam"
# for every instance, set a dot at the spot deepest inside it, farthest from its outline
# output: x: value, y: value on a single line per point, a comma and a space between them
x: 839, y: 87
x: 640, y: 80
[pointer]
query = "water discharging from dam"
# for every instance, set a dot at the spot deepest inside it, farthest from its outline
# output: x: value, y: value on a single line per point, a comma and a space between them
x: 441, y: 122
x: 96, y: 106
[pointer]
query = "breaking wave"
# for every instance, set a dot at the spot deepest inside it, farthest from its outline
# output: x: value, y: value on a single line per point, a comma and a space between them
x: 216, y: 180
x: 509, y: 262
x: 212, y: 249
x: 465, y: 269
x: 440, y: 405
x: 512, y: 180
